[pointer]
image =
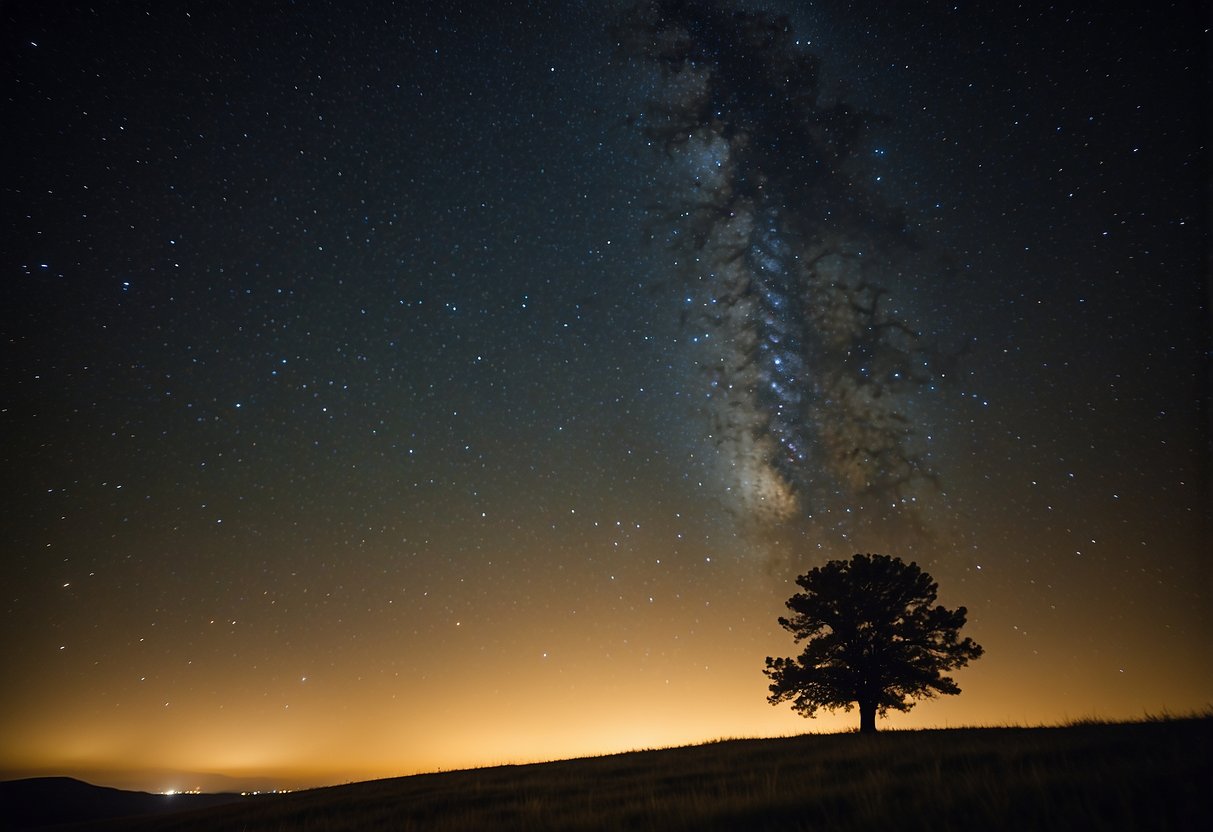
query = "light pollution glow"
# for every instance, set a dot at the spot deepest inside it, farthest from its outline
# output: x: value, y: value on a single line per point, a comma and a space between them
x: 676, y: 671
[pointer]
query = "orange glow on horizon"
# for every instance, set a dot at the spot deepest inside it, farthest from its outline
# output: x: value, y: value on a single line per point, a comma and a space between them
x: 669, y: 677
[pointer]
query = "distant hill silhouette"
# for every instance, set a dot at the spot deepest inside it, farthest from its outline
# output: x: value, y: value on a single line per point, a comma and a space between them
x: 47, y: 801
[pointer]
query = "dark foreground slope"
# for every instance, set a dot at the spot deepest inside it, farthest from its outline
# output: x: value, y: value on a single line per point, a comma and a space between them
x: 1155, y: 775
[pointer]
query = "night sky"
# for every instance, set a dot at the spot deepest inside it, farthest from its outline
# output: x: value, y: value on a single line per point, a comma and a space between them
x: 377, y: 399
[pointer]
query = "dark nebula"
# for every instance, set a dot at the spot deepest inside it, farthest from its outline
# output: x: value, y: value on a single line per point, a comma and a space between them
x: 786, y: 253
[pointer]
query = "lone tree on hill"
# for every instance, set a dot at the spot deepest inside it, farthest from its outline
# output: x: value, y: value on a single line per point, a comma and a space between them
x: 874, y: 639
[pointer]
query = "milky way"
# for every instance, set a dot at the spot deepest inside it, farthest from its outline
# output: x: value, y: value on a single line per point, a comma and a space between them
x: 785, y: 249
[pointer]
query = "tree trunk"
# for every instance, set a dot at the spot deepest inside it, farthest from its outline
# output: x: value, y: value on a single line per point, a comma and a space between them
x: 867, y: 717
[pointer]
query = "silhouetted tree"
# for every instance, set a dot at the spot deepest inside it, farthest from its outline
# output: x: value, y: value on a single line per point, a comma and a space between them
x: 874, y: 640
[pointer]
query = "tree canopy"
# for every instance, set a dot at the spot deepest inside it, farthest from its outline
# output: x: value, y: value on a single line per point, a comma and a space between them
x: 874, y: 638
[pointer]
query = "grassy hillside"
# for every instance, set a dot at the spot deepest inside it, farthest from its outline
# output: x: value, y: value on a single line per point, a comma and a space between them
x: 1153, y: 775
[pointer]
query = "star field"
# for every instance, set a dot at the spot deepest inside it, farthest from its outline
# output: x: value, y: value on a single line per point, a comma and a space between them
x: 390, y: 390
